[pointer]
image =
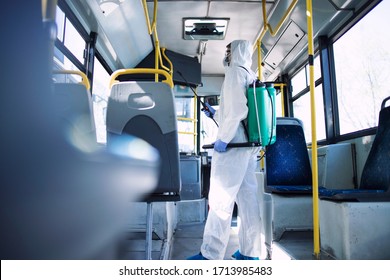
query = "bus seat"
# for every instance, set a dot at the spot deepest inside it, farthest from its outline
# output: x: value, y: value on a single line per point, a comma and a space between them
x: 74, y: 106
x: 375, y: 179
x: 354, y: 223
x: 287, y: 160
x: 56, y: 202
x: 288, y: 181
x: 147, y: 110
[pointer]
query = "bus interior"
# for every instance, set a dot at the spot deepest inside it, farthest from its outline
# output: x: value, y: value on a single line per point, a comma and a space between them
x: 103, y: 132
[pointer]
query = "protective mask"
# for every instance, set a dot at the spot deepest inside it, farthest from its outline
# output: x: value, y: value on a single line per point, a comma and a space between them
x: 225, y: 61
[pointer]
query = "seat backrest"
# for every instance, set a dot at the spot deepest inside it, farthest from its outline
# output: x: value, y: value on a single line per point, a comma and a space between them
x: 287, y: 160
x: 376, y: 171
x: 74, y: 106
x: 75, y: 102
x: 147, y: 110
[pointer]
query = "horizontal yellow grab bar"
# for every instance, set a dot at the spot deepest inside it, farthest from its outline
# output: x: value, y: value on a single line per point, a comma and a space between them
x: 120, y: 72
x: 187, y: 119
x: 186, y: 132
x: 84, y: 78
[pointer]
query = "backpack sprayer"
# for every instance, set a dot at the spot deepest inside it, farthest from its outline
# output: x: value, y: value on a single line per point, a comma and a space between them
x: 261, y: 117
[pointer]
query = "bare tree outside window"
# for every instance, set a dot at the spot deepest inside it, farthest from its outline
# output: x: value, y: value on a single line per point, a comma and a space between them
x: 363, y: 70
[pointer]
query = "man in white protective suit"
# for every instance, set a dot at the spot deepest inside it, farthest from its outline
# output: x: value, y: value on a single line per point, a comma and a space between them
x: 233, y: 176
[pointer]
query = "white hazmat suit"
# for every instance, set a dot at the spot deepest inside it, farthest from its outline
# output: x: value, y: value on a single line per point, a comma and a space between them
x: 233, y: 172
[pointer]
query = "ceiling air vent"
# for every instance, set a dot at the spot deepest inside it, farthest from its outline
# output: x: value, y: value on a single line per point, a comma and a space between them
x: 204, y: 28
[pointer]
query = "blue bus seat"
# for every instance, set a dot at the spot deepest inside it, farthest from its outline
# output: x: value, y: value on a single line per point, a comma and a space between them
x: 288, y: 185
x: 287, y: 160
x: 375, y: 179
x: 354, y: 224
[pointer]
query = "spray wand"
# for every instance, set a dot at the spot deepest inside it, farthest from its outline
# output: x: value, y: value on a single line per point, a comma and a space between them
x: 205, y: 108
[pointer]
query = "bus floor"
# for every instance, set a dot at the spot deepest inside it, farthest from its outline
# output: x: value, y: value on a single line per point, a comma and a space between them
x: 187, y: 240
x: 297, y: 245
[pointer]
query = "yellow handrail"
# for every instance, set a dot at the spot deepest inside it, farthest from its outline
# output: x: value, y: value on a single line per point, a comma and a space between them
x: 267, y: 26
x: 147, y: 16
x: 316, y: 225
x: 187, y: 119
x: 281, y: 85
x: 152, y: 29
x: 120, y: 72
x: 160, y: 58
x: 189, y: 133
x: 169, y: 61
x: 286, y: 15
x: 84, y: 78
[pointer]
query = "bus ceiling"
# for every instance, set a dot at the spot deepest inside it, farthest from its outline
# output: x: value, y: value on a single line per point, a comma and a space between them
x: 124, y: 39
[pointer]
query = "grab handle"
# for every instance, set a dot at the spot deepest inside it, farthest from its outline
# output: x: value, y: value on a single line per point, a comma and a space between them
x: 120, y: 72
x: 84, y: 78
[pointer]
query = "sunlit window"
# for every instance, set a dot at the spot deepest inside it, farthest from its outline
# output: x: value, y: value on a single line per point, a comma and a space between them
x: 302, y: 111
x: 208, y: 130
x: 100, y: 95
x: 301, y: 106
x: 186, y: 124
x: 71, y: 39
x: 362, y: 59
x: 60, y: 21
x: 301, y: 80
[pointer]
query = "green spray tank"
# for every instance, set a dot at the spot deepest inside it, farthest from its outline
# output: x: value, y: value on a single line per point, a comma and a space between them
x: 261, y: 113
x: 261, y: 117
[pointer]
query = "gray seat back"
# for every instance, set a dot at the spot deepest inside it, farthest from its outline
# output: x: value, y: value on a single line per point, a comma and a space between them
x: 74, y: 106
x: 147, y: 110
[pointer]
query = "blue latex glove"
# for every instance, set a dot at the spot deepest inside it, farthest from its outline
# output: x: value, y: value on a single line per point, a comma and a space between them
x: 210, y: 111
x: 220, y: 146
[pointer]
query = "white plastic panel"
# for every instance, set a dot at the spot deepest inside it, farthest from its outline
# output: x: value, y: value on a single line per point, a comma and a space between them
x: 355, y: 230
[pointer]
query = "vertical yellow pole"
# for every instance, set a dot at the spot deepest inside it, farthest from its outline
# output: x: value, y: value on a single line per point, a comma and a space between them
x: 316, y: 232
x: 282, y: 98
x: 147, y: 16
x: 259, y: 58
x: 157, y: 43
x: 156, y: 58
x: 194, y: 118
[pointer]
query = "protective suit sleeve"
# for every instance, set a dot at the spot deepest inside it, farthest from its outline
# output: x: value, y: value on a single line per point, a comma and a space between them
x: 234, y: 103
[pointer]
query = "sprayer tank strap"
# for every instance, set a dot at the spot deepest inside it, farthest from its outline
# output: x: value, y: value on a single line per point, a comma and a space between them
x: 243, y: 121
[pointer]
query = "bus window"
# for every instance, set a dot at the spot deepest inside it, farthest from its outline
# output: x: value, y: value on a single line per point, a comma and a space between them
x: 301, y: 100
x: 208, y: 129
x: 70, y: 45
x: 186, y: 127
x: 60, y: 21
x: 278, y: 105
x: 73, y: 41
x: 100, y: 98
x: 299, y: 82
x: 362, y: 60
x: 302, y: 111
